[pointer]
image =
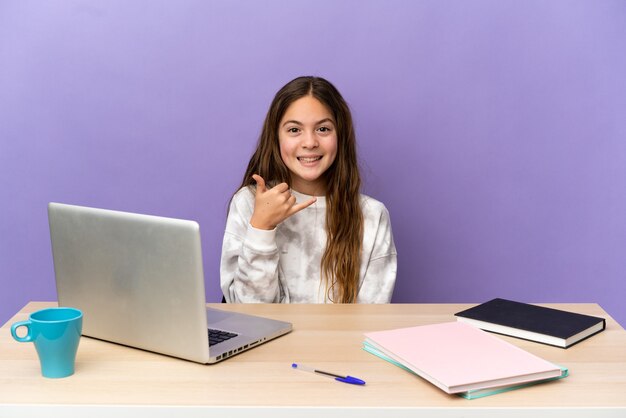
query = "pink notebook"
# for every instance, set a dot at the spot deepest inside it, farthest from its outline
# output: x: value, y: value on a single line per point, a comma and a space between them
x: 457, y: 357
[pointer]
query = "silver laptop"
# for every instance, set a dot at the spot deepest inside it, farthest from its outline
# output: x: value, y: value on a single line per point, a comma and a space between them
x: 139, y: 281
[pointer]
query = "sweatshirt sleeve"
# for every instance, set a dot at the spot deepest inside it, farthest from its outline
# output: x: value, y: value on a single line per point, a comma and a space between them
x: 249, y: 264
x: 381, y: 267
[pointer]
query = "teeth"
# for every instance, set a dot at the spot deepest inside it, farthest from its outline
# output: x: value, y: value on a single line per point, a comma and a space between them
x: 309, y: 159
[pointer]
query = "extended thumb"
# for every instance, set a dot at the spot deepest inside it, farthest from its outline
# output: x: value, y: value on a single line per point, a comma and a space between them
x: 260, y: 183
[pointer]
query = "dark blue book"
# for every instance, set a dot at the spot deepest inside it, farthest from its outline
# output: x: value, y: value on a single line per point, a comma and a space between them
x: 531, y: 322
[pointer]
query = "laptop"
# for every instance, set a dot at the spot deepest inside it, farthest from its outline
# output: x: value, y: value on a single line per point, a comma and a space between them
x: 139, y: 281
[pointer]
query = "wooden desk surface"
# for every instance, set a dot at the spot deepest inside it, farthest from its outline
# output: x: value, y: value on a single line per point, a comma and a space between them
x: 328, y: 337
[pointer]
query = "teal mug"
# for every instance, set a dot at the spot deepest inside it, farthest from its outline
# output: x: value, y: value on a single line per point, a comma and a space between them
x: 56, y: 333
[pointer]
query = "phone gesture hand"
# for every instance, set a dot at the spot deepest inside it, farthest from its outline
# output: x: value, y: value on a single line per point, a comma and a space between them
x: 273, y: 206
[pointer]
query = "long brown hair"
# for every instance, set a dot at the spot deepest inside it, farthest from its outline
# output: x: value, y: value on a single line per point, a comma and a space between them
x: 344, y: 217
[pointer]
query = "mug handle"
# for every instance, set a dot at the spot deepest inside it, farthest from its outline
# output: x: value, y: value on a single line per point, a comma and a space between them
x: 25, y: 339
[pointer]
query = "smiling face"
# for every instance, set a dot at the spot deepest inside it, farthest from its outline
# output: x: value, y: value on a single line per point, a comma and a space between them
x: 308, y: 144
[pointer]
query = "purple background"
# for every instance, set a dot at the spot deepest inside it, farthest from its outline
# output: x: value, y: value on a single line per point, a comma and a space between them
x: 494, y: 131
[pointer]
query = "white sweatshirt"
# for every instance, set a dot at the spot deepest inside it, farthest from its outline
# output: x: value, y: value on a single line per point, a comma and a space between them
x: 284, y: 264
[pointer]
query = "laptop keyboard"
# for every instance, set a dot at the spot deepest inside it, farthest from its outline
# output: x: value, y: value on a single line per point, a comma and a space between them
x: 216, y: 336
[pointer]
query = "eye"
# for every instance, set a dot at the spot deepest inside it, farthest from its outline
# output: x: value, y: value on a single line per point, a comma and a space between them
x: 324, y: 129
x: 293, y: 130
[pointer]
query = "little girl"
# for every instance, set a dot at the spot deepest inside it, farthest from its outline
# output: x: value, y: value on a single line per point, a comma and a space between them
x: 298, y: 230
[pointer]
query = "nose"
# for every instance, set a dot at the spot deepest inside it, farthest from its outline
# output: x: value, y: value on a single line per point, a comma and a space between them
x: 309, y: 140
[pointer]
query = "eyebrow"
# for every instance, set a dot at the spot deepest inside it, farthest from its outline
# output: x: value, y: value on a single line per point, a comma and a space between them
x: 301, y: 124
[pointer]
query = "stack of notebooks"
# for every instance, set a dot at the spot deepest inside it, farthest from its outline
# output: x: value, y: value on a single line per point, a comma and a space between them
x: 459, y: 358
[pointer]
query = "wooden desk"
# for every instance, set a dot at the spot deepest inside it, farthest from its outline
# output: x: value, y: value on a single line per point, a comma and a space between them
x: 113, y: 380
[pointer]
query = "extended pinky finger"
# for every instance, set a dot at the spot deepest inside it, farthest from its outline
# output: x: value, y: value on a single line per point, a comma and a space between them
x: 297, y: 208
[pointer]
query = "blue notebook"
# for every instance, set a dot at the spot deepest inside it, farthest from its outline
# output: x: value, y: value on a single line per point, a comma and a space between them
x: 531, y: 322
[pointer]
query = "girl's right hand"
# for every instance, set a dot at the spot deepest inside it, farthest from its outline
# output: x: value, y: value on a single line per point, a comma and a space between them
x: 273, y: 206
